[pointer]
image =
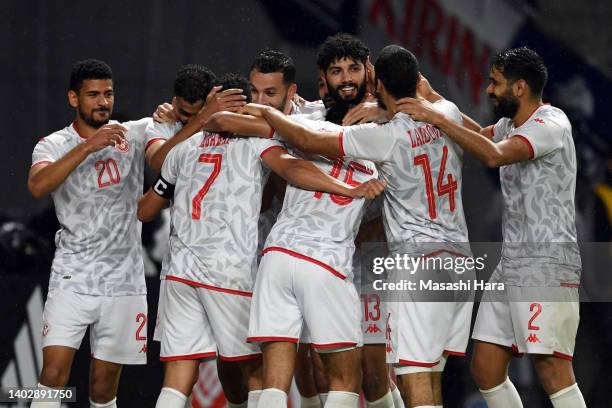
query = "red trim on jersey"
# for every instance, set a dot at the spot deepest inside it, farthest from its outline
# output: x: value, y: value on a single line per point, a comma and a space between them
x: 562, y: 356
x: 417, y: 363
x: 270, y: 148
x: 205, y: 286
x: 189, y: 356
x: 570, y: 285
x: 271, y: 338
x: 41, y: 162
x: 241, y: 358
x: 76, y: 129
x: 305, y: 258
x: 435, y: 253
x: 455, y: 353
x: 341, y: 143
x: 150, y: 142
x: 516, y: 352
x: 332, y: 345
x: 523, y: 138
x: 271, y: 134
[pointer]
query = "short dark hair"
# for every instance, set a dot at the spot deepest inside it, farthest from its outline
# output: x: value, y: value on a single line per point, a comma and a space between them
x: 88, y: 69
x: 233, y: 80
x: 269, y: 61
x: 341, y: 46
x: 193, y: 82
x: 398, y: 69
x: 523, y: 63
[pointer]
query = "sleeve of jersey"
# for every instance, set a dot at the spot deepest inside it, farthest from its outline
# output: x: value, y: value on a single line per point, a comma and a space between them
x: 449, y: 109
x: 368, y: 141
x: 500, y: 129
x: 263, y: 146
x: 157, y: 131
x: 169, y: 170
x: 45, y: 151
x: 540, y: 136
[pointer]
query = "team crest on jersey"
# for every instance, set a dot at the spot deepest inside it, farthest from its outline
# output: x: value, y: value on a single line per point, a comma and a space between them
x: 123, y: 147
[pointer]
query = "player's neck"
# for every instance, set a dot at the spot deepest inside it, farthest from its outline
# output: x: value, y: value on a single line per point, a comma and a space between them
x: 82, y: 128
x: 525, y: 111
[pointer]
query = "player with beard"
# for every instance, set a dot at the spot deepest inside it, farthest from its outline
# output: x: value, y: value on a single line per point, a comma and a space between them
x: 345, y: 69
x: 537, y: 313
x: 93, y: 170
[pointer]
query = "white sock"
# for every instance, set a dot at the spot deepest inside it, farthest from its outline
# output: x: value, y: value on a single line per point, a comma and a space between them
x: 398, y: 402
x: 385, y: 402
x: 569, y: 397
x: 45, y: 404
x: 502, y: 396
x: 342, y: 399
x: 241, y: 405
x: 253, y: 398
x: 273, y: 398
x: 110, y: 404
x: 188, y: 402
x: 323, y: 397
x: 170, y: 398
x: 310, y: 402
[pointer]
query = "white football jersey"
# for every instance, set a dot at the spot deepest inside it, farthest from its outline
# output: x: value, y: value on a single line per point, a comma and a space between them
x: 217, y: 199
x: 422, y: 168
x: 539, y: 223
x: 99, y: 249
x: 318, y: 226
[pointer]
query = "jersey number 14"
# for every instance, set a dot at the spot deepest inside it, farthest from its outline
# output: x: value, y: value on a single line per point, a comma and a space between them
x: 449, y: 188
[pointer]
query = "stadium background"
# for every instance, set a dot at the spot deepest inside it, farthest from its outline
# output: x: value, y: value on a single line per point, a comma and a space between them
x: 145, y: 42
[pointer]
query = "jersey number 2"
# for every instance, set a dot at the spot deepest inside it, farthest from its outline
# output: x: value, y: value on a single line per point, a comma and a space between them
x: 196, y: 203
x: 448, y: 188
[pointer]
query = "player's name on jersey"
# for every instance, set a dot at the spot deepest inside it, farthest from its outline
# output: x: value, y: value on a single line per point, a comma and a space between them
x: 431, y: 285
x: 423, y: 135
x: 214, y: 139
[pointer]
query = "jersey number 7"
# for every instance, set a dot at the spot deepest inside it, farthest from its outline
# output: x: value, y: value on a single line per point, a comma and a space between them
x: 196, y: 203
x: 448, y: 188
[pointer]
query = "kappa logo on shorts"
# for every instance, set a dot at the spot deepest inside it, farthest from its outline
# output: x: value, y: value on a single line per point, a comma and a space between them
x: 373, y: 328
x: 143, y: 349
x: 123, y: 147
x: 533, y: 338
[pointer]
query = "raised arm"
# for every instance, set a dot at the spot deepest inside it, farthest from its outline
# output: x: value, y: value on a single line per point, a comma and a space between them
x: 230, y: 99
x: 306, y: 175
x: 492, y: 154
x: 45, y: 178
x: 241, y: 125
x: 302, y: 138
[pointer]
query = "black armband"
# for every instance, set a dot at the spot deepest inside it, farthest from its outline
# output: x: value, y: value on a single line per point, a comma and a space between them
x: 163, y: 188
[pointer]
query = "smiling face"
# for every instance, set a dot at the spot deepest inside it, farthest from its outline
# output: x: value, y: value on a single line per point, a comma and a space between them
x: 94, y: 101
x: 505, y: 102
x: 346, y: 80
x: 270, y: 89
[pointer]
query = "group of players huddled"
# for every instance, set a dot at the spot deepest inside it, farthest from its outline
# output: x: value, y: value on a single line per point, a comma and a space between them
x: 234, y: 155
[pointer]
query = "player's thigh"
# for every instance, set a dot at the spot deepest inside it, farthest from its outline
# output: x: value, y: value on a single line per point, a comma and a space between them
x: 160, y: 310
x: 66, y: 317
x: 228, y: 314
x: 187, y: 334
x: 330, y: 306
x: 545, y: 320
x: 120, y: 333
x: 275, y: 314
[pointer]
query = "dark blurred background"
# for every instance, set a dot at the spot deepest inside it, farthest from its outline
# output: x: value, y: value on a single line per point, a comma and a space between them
x: 145, y: 43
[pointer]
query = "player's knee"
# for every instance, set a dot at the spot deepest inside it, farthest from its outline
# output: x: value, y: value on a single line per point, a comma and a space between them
x: 554, y: 374
x: 54, y: 376
x: 344, y: 379
x: 375, y: 383
x: 102, y: 390
x: 484, y: 375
